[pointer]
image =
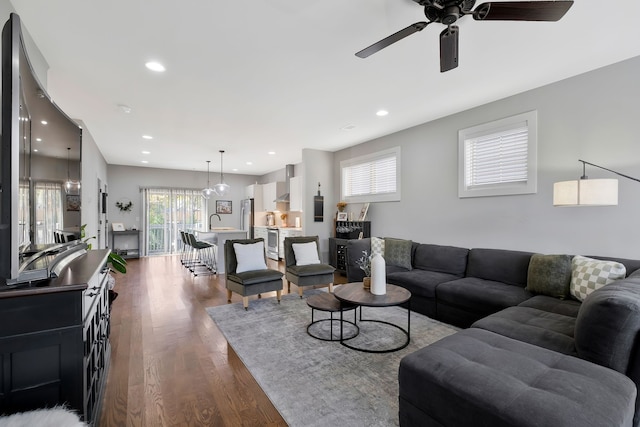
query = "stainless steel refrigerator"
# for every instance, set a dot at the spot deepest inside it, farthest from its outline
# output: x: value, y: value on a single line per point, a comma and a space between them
x: 247, y: 217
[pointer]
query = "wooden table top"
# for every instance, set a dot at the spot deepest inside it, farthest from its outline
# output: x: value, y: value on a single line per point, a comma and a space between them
x: 356, y: 294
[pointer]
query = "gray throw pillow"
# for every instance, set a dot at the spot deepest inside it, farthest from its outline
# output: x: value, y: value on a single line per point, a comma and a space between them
x: 397, y: 252
x: 549, y: 275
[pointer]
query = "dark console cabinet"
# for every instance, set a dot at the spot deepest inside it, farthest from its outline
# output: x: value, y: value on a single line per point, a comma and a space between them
x: 344, y: 231
x: 54, y: 341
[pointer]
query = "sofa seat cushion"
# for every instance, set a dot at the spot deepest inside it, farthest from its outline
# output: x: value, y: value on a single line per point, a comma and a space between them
x: 255, y: 276
x: 419, y: 282
x: 310, y: 269
x: 567, y: 307
x: 479, y: 378
x: 542, y: 328
x: 480, y: 296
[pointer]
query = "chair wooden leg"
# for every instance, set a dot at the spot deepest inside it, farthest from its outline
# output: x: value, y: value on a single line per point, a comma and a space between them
x: 279, y: 296
x: 300, y: 291
x: 331, y: 287
x: 245, y: 302
x: 228, y: 295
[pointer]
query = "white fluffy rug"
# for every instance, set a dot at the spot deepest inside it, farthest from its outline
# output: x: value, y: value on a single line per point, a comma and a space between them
x: 54, y: 417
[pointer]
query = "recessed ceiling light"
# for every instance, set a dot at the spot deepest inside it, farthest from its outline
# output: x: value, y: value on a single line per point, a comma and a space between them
x: 382, y: 113
x: 124, y: 108
x: 155, y: 66
x: 146, y: 152
x: 44, y: 122
x: 235, y: 169
x: 35, y: 150
x: 144, y: 161
x: 39, y: 139
x: 249, y: 163
x: 147, y: 137
x: 271, y: 152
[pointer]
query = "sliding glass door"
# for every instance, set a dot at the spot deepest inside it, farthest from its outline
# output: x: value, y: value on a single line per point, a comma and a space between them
x: 166, y: 212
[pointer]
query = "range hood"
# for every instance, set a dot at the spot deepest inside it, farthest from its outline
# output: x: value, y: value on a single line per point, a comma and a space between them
x: 284, y: 198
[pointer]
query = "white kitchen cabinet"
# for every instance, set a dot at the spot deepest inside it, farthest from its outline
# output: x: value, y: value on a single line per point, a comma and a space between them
x: 295, y: 194
x: 254, y: 191
x: 286, y: 232
x: 269, y: 193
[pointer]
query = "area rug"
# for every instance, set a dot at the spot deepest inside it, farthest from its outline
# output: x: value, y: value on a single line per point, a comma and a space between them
x: 322, y: 383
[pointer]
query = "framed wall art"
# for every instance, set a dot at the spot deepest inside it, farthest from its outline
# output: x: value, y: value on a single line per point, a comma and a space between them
x: 73, y: 202
x: 223, y: 207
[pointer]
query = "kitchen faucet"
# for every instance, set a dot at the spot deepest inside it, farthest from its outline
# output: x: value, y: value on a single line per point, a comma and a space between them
x: 210, y: 217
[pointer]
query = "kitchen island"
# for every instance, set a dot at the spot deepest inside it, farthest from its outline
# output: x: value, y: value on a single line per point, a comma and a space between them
x: 217, y: 236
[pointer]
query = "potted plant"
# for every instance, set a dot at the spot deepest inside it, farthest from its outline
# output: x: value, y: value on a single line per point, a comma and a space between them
x: 364, y: 262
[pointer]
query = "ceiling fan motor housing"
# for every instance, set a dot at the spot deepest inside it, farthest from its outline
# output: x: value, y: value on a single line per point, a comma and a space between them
x: 446, y: 12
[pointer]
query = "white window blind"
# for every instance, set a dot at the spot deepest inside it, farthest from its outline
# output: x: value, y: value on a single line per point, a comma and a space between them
x: 373, y: 177
x: 499, y: 158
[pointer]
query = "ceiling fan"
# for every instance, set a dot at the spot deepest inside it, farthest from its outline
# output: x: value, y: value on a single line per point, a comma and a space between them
x: 448, y: 12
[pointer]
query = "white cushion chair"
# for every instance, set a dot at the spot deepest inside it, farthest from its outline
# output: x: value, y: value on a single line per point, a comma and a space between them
x: 303, y: 265
x: 247, y: 272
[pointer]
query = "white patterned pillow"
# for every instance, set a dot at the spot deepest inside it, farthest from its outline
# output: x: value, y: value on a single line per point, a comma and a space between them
x: 377, y: 246
x: 588, y: 274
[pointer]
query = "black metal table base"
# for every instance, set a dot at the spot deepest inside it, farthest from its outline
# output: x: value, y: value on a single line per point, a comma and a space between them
x: 341, y: 337
x: 406, y: 332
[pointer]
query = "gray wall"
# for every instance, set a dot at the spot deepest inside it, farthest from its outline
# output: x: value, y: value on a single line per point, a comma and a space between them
x: 126, y: 181
x: 94, y: 170
x: 592, y: 117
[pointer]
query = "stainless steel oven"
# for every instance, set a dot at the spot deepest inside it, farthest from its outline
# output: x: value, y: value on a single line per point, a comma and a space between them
x: 273, y: 243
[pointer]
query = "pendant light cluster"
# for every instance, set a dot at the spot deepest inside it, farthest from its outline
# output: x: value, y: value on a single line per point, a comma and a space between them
x: 72, y: 186
x: 221, y: 188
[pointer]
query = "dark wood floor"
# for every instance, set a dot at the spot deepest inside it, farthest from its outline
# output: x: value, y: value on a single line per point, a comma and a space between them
x: 170, y: 365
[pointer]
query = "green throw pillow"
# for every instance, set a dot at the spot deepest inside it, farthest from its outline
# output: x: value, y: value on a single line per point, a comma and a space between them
x: 397, y: 252
x: 549, y: 275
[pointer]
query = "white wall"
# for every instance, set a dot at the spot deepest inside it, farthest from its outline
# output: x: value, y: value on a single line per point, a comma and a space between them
x: 125, y: 182
x: 592, y: 117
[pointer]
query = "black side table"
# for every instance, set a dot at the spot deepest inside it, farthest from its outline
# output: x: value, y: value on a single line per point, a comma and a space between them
x: 327, y: 302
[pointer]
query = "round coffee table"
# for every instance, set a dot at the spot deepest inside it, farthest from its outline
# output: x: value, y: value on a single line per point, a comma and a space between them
x: 355, y: 294
x: 327, y: 302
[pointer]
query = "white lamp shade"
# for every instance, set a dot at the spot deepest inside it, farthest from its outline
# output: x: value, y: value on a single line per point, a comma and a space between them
x: 586, y: 192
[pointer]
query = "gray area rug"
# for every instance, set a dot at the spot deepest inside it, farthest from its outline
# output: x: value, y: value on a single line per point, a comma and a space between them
x: 321, y: 383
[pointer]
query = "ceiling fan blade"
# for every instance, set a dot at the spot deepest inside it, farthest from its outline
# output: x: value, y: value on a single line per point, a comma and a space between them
x: 449, y: 48
x: 522, y: 11
x: 413, y: 28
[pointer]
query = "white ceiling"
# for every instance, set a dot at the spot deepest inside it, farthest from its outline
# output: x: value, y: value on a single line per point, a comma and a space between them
x: 281, y: 75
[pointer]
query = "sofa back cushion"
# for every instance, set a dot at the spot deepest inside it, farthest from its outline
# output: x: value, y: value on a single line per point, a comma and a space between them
x: 608, y: 327
x: 499, y: 265
x: 441, y: 259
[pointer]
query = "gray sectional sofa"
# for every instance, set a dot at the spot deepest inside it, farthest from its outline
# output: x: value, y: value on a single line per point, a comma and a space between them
x: 525, y: 359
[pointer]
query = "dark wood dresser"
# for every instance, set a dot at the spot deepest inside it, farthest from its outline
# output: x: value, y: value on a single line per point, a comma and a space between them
x: 54, y: 340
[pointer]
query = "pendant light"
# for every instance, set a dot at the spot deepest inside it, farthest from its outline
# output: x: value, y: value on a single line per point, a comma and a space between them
x: 71, y: 186
x: 208, y: 192
x: 221, y: 188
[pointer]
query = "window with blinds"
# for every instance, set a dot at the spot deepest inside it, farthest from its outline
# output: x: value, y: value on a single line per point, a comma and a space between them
x: 499, y: 158
x: 371, y: 178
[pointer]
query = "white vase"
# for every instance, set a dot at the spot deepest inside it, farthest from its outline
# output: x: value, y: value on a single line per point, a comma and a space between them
x: 378, y: 275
